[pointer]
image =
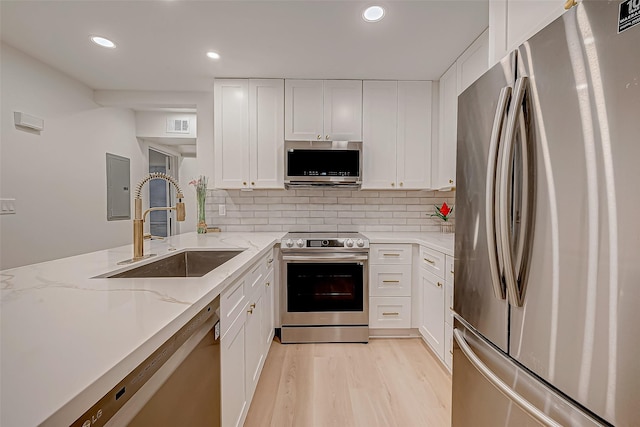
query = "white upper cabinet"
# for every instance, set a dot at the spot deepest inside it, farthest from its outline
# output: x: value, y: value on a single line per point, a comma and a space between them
x: 249, y: 133
x: 413, y: 155
x: 396, y: 134
x: 328, y: 110
x: 379, y: 130
x: 343, y: 110
x: 231, y: 133
x: 473, y: 62
x: 444, y: 166
x: 266, y: 133
x: 512, y: 22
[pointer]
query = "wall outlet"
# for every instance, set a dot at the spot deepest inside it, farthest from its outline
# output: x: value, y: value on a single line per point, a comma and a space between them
x: 7, y: 206
x: 222, y: 210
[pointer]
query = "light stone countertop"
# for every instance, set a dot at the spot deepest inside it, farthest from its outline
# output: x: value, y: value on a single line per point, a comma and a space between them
x: 442, y: 242
x: 67, y: 338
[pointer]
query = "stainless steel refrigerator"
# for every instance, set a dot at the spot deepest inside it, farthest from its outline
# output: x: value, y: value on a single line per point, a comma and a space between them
x: 547, y: 252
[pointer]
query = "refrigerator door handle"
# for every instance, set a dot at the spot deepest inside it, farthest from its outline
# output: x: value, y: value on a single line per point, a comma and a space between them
x: 515, y: 296
x: 494, y: 244
x: 497, y: 382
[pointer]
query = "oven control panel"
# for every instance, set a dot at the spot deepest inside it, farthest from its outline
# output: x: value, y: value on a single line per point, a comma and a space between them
x: 321, y: 243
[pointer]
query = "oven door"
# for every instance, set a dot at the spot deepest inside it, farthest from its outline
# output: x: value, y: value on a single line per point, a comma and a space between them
x: 325, y: 289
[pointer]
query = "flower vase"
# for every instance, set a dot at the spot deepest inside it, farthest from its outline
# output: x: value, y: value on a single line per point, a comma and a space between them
x: 202, y: 197
x: 446, y: 227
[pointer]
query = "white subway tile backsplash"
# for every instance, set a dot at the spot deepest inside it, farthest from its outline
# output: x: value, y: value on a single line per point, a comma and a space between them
x: 326, y: 210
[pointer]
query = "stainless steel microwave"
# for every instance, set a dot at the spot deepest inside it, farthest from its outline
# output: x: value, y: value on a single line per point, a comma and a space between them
x: 323, y: 164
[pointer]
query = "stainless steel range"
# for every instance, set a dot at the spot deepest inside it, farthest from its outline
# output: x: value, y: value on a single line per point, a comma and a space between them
x: 325, y: 287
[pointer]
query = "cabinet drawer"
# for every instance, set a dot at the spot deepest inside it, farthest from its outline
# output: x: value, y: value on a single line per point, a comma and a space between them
x: 390, y: 254
x: 390, y: 312
x: 390, y: 281
x: 432, y: 261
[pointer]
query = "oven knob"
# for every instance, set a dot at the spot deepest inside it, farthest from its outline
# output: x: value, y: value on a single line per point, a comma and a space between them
x: 300, y: 243
x: 289, y: 243
x: 348, y: 243
x: 360, y: 243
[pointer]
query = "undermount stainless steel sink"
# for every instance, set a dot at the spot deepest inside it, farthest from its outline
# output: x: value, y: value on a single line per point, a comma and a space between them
x: 183, y: 264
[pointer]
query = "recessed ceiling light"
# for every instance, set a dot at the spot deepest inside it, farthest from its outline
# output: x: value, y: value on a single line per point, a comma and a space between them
x: 373, y: 14
x: 101, y: 41
x: 213, y: 55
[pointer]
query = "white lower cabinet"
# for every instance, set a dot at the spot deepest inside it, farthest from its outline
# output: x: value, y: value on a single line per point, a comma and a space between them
x: 390, y: 282
x: 390, y: 312
x: 233, y: 374
x: 246, y: 340
x: 254, y: 343
x: 432, y: 319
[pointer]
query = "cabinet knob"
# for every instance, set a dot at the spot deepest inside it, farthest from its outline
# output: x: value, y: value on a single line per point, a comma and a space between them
x: 401, y: 183
x: 393, y: 184
x: 268, y: 283
x: 254, y: 304
x: 253, y: 183
x: 319, y: 136
x: 250, y: 311
x: 439, y: 284
x: 326, y: 137
x: 244, y: 182
x: 450, y: 181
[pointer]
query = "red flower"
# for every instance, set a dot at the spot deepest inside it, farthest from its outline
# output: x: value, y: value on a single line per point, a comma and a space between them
x: 444, y: 210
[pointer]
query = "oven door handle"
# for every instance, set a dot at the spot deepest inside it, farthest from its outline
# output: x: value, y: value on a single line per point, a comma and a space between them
x: 328, y: 257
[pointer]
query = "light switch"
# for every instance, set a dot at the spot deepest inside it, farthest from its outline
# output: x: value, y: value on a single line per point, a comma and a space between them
x: 222, y: 210
x: 7, y: 206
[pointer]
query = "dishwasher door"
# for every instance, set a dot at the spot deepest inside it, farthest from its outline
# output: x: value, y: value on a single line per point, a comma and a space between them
x: 177, y: 385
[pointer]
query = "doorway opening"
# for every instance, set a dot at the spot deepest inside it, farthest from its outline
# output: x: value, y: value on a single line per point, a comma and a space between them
x: 161, y: 193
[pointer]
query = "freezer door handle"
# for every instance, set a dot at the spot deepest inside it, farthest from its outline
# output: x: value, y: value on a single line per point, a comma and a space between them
x: 515, y: 296
x: 526, y: 406
x: 493, y: 243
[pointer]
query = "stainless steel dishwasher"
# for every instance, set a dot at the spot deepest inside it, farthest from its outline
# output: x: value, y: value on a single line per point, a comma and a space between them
x: 178, y: 385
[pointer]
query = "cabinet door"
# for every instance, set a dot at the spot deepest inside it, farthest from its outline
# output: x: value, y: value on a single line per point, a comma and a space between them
x: 432, y: 308
x: 303, y: 110
x: 266, y: 133
x: 254, y: 342
x: 343, y: 110
x: 473, y: 62
x: 414, y: 135
x: 445, y: 167
x: 379, y: 130
x: 233, y: 383
x: 231, y: 135
x: 268, y: 318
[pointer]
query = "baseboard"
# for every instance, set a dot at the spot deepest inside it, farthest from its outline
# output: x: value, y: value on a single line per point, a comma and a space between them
x: 394, y: 333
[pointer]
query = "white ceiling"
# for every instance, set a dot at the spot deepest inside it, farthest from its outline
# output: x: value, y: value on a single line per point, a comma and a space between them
x: 162, y: 43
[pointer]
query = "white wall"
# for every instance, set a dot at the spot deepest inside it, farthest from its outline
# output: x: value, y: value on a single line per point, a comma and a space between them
x: 58, y: 177
x: 154, y: 124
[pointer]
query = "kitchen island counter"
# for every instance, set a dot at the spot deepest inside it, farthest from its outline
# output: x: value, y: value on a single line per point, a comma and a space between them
x: 68, y: 338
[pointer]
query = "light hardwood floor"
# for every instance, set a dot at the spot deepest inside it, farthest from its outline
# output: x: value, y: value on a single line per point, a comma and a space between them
x: 388, y: 382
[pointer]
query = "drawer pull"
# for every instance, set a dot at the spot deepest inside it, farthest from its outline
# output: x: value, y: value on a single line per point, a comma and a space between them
x: 439, y: 284
x: 268, y: 283
x: 271, y: 261
x: 430, y: 261
x: 390, y: 313
x: 253, y: 305
x: 451, y: 352
x: 390, y: 254
x: 451, y: 272
x: 391, y: 281
x: 250, y: 311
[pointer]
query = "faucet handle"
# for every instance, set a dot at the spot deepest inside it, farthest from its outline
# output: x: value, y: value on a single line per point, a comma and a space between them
x: 180, y: 211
